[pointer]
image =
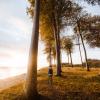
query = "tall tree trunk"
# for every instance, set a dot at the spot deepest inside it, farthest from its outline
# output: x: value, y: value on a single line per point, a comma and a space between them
x: 71, y: 58
x: 57, y: 39
x: 50, y: 62
x: 54, y: 61
x: 57, y: 54
x: 57, y: 45
x: 86, y: 61
x: 80, y: 49
x: 59, y: 51
x: 68, y: 57
x: 31, y: 80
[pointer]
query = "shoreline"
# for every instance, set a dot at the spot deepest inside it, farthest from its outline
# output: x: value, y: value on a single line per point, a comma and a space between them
x: 8, y: 73
x: 11, y: 81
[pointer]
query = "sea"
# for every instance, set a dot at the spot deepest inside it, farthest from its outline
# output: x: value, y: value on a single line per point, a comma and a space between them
x: 6, y: 72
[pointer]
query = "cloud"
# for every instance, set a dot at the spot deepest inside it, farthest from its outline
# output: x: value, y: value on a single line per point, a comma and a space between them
x: 21, y: 25
x: 13, y: 16
x: 15, y: 25
x: 2, y: 54
x: 14, y: 41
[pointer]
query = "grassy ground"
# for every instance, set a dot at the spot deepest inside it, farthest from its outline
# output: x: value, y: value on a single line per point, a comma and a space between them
x: 75, y: 84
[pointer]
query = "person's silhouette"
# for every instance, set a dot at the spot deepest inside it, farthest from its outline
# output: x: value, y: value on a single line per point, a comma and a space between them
x: 50, y: 74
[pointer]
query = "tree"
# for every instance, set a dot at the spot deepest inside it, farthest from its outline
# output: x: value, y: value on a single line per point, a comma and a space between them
x: 79, y: 45
x: 89, y: 28
x: 54, y: 12
x: 57, y: 9
x: 31, y: 80
x: 49, y: 49
x: 93, y: 2
x: 68, y: 57
x: 79, y: 32
x: 61, y: 9
x: 49, y: 55
x: 78, y: 21
x: 67, y: 46
x: 92, y: 31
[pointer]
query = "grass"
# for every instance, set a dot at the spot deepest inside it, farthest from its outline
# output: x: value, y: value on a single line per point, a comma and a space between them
x: 74, y: 84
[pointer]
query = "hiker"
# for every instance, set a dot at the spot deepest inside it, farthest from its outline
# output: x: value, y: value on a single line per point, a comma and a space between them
x: 50, y: 74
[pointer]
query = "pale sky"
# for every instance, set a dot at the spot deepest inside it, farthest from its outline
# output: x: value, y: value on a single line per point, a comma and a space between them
x: 15, y: 35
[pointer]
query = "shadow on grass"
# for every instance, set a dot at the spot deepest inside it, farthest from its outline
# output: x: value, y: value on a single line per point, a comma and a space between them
x: 41, y: 97
x: 22, y: 97
x: 65, y: 96
x: 80, y: 96
x: 80, y: 77
x: 95, y: 79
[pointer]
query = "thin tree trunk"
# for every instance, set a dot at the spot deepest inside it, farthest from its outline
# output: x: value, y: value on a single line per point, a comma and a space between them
x: 80, y: 50
x: 31, y: 80
x: 68, y: 58
x: 57, y: 46
x: 58, y: 37
x: 50, y: 63
x: 71, y: 58
x: 54, y: 61
x: 86, y: 61
x: 59, y: 51
x: 57, y: 55
x: 57, y: 40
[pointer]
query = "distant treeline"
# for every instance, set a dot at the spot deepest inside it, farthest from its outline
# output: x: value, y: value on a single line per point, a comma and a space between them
x: 91, y: 62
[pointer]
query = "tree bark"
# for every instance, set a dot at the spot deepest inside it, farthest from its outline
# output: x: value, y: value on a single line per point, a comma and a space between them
x: 57, y: 54
x: 68, y: 58
x: 86, y: 61
x: 57, y: 45
x: 71, y: 58
x: 80, y: 50
x: 50, y: 62
x: 31, y: 79
x: 59, y: 51
x: 57, y: 40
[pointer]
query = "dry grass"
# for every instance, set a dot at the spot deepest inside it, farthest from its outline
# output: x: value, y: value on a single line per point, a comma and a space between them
x: 75, y: 84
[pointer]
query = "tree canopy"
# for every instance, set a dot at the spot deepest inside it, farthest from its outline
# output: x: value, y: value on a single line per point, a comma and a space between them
x: 93, y: 2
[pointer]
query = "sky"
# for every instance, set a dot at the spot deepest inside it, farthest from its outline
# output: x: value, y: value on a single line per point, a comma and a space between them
x: 15, y: 36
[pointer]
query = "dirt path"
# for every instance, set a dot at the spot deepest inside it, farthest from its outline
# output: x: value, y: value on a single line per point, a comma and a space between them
x: 9, y: 82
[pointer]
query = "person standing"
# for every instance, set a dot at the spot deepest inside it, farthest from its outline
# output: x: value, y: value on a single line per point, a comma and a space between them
x: 50, y: 75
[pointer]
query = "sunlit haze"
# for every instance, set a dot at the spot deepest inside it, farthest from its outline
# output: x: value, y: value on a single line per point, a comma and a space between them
x: 15, y: 36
